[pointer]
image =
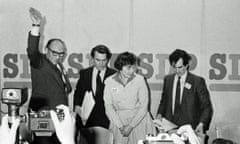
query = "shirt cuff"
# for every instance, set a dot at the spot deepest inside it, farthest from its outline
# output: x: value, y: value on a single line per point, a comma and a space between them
x: 35, y: 31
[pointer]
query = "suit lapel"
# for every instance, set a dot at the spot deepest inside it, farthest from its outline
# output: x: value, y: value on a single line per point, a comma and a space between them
x: 170, y: 90
x: 58, y: 78
x: 107, y: 73
x: 185, y: 94
x: 89, y: 78
x: 56, y: 74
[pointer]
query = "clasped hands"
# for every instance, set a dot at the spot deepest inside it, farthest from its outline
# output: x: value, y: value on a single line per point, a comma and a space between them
x: 126, y: 130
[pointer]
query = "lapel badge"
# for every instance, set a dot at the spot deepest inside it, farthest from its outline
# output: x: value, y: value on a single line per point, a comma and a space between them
x: 187, y: 85
x: 114, y: 90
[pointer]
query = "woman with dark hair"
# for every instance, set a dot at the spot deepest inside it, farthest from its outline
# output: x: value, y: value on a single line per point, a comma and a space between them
x: 126, y: 101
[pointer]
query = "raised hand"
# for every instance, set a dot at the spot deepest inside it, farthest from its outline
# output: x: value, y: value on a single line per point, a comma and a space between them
x: 7, y: 134
x: 35, y: 15
x: 65, y: 129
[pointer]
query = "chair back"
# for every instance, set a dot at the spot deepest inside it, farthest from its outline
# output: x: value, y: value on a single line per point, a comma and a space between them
x: 229, y: 131
x: 103, y: 136
x: 95, y: 135
x: 222, y: 141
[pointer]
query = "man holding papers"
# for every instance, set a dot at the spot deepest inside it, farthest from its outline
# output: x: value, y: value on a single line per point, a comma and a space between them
x: 88, y: 97
x: 185, y: 97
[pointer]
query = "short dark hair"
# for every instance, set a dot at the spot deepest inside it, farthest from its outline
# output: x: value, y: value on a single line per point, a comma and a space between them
x: 101, y: 49
x: 52, y: 40
x: 125, y: 58
x: 177, y: 54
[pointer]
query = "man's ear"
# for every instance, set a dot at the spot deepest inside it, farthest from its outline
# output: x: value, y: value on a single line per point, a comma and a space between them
x: 187, y: 66
x: 45, y: 50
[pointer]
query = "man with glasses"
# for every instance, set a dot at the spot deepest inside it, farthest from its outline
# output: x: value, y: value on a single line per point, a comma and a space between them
x: 185, y: 97
x: 50, y: 84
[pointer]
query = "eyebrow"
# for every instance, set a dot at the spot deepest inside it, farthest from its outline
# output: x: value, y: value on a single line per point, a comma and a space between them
x: 101, y: 59
x: 174, y: 66
x: 179, y: 66
x: 56, y: 51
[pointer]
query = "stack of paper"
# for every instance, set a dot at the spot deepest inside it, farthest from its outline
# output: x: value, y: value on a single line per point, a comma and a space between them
x: 164, y: 124
x: 87, y: 106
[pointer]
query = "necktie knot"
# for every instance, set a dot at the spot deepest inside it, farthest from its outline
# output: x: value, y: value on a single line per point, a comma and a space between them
x: 179, y: 82
x: 179, y: 78
x: 98, y: 83
x: 98, y: 75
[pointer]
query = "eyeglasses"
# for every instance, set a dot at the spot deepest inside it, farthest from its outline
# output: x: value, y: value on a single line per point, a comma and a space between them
x: 55, y: 53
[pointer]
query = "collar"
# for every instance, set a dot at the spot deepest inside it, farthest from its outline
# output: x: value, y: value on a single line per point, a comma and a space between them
x: 117, y: 78
x: 102, y: 72
x: 183, y: 77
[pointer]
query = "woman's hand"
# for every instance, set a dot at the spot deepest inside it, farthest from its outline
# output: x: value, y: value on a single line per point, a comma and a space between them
x: 127, y: 130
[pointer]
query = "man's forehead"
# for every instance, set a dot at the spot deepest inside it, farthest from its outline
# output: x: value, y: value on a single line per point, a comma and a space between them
x: 57, y: 46
x: 179, y: 63
x: 100, y: 56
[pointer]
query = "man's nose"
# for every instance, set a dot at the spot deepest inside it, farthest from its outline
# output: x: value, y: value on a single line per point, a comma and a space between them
x: 177, y: 70
x: 60, y: 58
x: 102, y: 63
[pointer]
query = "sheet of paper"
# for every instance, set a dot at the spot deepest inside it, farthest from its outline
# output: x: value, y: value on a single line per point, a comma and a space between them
x: 164, y: 124
x: 87, y: 106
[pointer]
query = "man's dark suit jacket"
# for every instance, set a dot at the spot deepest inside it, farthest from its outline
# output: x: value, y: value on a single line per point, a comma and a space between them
x: 98, y: 116
x: 196, y: 105
x: 47, y: 84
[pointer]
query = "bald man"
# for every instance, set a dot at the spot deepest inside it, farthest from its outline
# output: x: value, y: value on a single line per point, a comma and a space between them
x: 50, y: 84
